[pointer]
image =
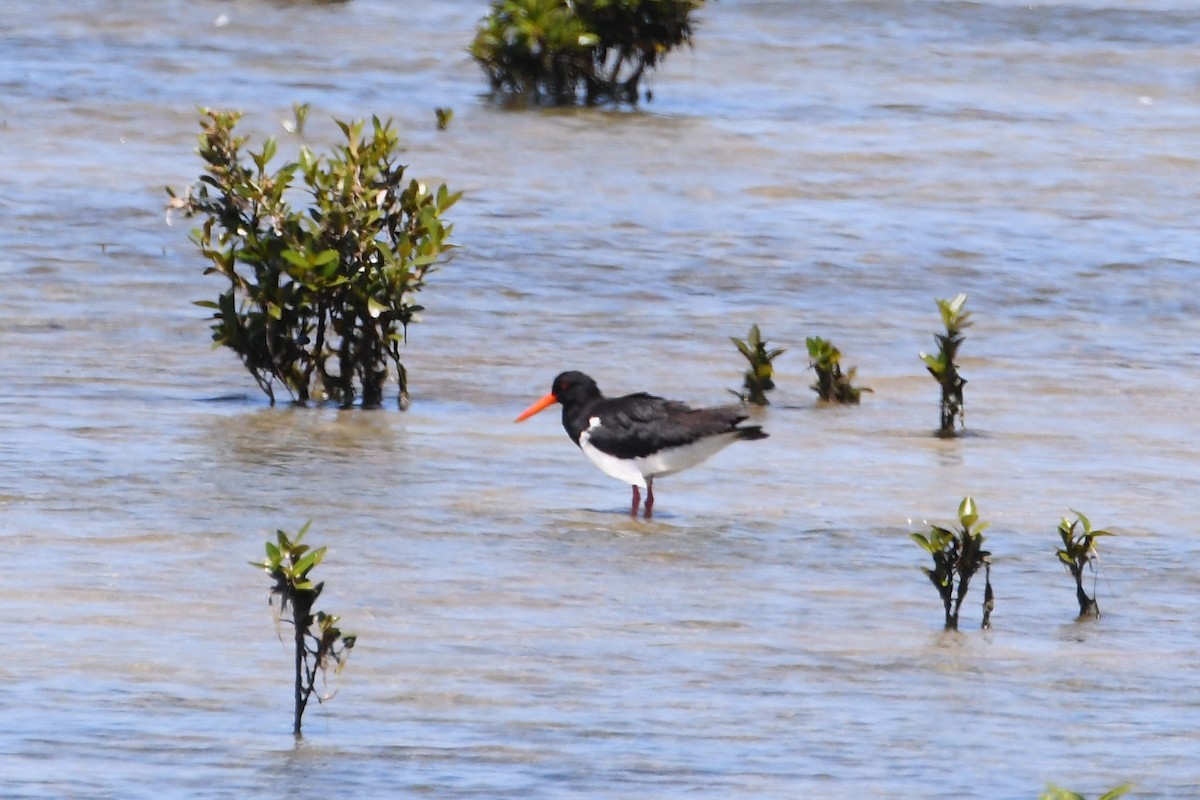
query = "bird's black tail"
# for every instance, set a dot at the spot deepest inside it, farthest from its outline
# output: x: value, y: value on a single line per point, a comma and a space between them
x: 751, y: 432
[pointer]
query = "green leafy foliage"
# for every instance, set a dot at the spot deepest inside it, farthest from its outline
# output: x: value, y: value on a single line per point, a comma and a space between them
x: 957, y: 555
x: 1058, y: 793
x: 1078, y: 553
x: 759, y: 375
x: 318, y: 639
x: 317, y: 300
x: 557, y: 50
x: 943, y: 365
x: 832, y: 386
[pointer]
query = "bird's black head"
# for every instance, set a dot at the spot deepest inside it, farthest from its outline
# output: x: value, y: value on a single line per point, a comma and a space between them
x: 574, y: 389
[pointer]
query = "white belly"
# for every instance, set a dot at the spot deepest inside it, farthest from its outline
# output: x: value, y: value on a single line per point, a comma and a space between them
x: 665, y: 462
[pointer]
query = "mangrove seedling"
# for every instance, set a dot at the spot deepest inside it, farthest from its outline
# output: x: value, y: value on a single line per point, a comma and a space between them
x: 957, y: 556
x: 943, y: 365
x: 1058, y: 793
x: 832, y: 386
x: 757, y: 380
x: 318, y: 640
x: 557, y: 51
x: 1078, y: 552
x: 317, y: 300
x: 299, y: 118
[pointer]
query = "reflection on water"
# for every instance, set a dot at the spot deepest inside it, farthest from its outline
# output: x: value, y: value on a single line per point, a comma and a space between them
x: 818, y: 168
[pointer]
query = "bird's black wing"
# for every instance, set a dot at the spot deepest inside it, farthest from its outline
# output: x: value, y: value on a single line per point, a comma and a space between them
x: 638, y: 425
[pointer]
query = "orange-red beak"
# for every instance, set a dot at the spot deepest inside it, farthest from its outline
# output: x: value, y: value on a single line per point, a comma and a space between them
x: 540, y: 405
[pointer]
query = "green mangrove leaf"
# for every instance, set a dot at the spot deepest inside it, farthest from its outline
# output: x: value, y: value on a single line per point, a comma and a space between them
x: 310, y: 560
x: 967, y: 509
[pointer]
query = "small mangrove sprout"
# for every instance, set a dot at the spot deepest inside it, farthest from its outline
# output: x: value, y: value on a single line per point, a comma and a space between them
x: 757, y: 380
x: 943, y: 366
x: 318, y: 640
x: 299, y: 118
x: 1078, y: 553
x: 958, y: 554
x: 832, y: 386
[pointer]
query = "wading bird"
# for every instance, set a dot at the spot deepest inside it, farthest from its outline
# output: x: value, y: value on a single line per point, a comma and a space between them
x: 640, y: 437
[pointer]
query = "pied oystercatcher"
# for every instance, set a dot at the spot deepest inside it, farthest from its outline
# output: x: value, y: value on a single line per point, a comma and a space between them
x: 639, y: 437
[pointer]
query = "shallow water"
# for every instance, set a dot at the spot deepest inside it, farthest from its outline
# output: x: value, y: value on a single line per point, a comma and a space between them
x: 818, y: 168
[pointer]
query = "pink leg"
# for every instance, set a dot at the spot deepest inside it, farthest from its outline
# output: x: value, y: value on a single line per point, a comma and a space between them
x: 637, y: 500
x: 649, y: 497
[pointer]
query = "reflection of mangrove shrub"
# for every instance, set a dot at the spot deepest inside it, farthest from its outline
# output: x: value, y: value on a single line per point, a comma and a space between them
x: 557, y: 49
x: 318, y: 300
x: 317, y: 638
x: 832, y: 386
x: 1078, y: 553
x: 942, y: 365
x: 957, y: 556
x: 758, y: 379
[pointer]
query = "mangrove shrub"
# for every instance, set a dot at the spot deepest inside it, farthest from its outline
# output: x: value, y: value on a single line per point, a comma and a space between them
x: 561, y: 51
x: 317, y: 299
